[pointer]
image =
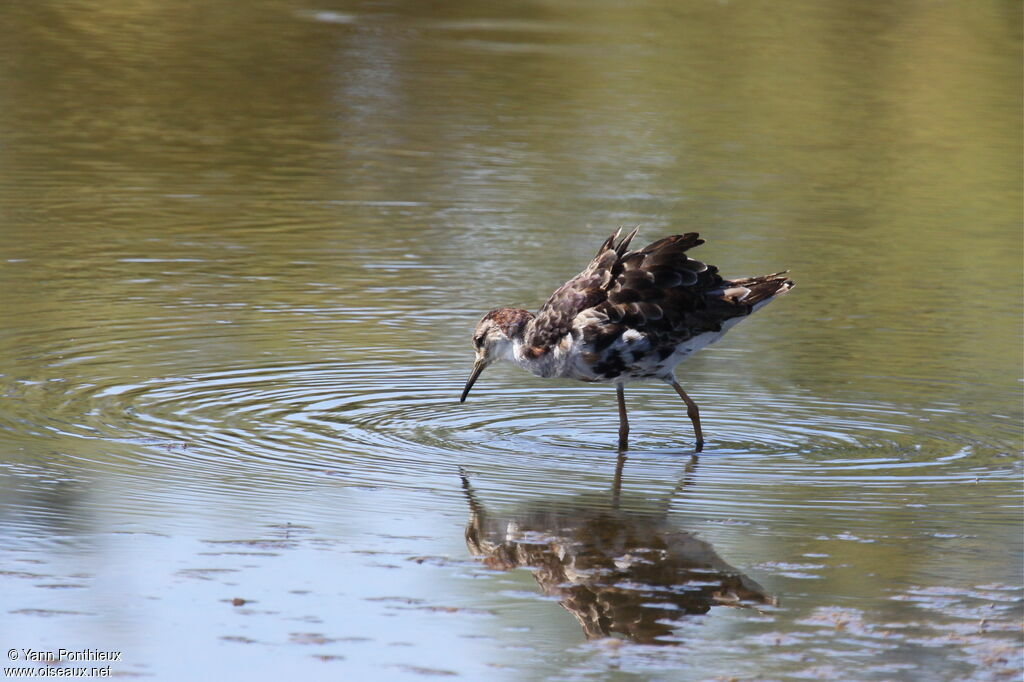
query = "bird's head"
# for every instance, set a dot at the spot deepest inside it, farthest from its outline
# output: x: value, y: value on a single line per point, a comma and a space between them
x: 493, y: 339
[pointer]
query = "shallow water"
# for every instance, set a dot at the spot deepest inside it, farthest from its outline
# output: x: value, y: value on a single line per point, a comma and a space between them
x: 243, y: 250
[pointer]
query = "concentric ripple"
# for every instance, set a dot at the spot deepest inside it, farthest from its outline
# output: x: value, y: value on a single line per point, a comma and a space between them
x: 377, y: 422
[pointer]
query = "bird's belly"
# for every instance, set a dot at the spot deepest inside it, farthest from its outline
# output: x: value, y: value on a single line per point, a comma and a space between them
x: 692, y: 345
x: 628, y: 358
x: 624, y: 363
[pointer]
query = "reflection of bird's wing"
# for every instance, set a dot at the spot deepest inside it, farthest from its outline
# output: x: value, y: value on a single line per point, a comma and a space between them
x: 582, y: 292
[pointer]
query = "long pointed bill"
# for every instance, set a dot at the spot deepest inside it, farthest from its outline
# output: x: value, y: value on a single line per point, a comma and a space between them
x: 477, y: 369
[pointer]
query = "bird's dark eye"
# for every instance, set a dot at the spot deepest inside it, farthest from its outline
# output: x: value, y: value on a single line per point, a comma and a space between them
x: 478, y: 341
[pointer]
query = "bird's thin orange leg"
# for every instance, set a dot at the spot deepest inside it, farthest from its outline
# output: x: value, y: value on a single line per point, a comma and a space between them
x: 623, y: 420
x: 692, y: 412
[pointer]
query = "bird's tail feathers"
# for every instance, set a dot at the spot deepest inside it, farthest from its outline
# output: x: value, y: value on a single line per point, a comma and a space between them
x: 756, y: 291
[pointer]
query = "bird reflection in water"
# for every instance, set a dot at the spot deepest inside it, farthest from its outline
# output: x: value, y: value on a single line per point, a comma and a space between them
x: 618, y: 571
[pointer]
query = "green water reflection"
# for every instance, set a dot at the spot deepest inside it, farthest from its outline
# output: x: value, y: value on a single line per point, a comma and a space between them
x: 243, y: 247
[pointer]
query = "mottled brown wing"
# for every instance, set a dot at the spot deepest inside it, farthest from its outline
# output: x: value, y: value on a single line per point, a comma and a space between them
x: 662, y: 290
x: 670, y: 297
x: 585, y: 290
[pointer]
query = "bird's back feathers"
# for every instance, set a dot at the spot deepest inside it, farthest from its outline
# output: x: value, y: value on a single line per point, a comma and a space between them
x: 584, y: 291
x: 658, y: 291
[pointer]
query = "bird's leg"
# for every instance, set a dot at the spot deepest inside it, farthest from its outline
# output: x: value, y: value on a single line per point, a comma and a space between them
x: 692, y: 412
x: 623, y: 420
x: 617, y: 481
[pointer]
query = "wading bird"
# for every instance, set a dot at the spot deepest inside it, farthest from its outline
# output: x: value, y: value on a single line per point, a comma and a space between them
x: 629, y: 316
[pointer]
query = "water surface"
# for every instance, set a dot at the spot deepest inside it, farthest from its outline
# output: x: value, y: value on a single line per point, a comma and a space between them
x: 243, y: 250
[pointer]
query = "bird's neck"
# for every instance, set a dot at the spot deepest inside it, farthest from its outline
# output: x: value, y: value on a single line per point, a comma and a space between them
x: 536, y: 360
x: 518, y: 327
